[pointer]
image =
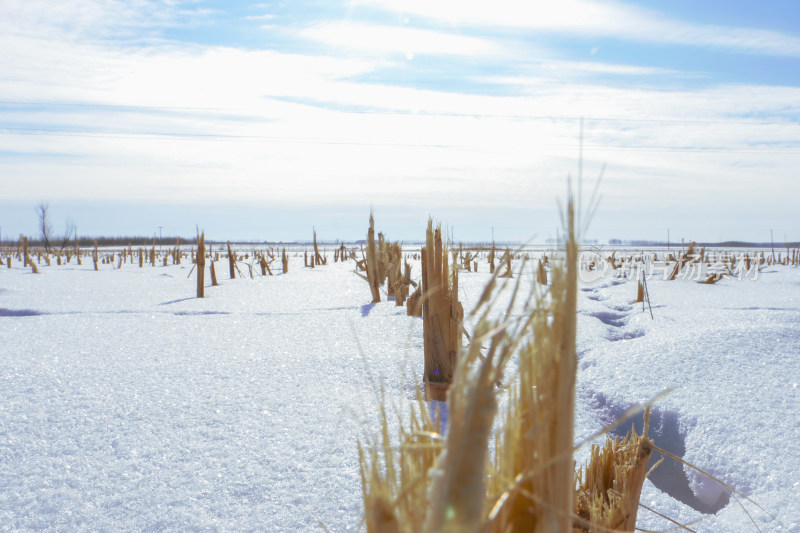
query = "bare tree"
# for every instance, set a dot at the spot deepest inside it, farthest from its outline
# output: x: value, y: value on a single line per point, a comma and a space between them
x: 69, y: 230
x: 45, y: 227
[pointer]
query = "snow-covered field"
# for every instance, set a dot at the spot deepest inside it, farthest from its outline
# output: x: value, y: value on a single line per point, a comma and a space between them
x: 126, y: 404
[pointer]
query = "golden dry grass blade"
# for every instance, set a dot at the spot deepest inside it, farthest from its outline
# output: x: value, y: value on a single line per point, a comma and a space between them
x: 457, y: 491
x: 395, y: 479
x: 534, y: 446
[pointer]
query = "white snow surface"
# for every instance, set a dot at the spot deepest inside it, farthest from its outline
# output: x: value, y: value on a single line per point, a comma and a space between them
x: 126, y: 404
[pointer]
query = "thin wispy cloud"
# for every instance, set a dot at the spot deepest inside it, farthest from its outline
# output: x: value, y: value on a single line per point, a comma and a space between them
x: 586, y: 67
x: 97, y: 20
x: 377, y: 39
x: 593, y: 18
x: 265, y: 16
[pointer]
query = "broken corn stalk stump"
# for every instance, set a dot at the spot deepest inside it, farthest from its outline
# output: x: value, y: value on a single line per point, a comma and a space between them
x: 372, y: 262
x: 442, y: 315
x: 231, y: 262
x: 201, y: 264
x: 609, y: 488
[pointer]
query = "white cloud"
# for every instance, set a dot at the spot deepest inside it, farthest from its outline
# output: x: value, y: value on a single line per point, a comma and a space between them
x: 592, y: 18
x: 266, y: 16
x: 95, y: 19
x: 250, y: 143
x: 548, y: 69
x: 408, y: 41
x: 586, y: 67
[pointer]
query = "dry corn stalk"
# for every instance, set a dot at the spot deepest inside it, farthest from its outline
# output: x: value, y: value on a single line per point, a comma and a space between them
x: 383, y: 259
x: 531, y: 484
x: 213, y: 275
x: 507, y: 260
x: 414, y: 303
x: 372, y: 262
x: 398, y: 278
x: 395, y: 478
x: 231, y: 261
x: 264, y: 266
x: 532, y: 487
x: 685, y: 258
x: 442, y: 315
x: 404, y: 284
x: 176, y: 253
x: 201, y: 264
x: 285, y: 261
x: 640, y: 290
x: 609, y: 488
x: 458, y: 479
x: 541, y: 273
x: 318, y: 259
x: 25, y: 252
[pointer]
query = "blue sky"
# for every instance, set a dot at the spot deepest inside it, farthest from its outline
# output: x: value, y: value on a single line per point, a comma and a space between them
x: 259, y: 120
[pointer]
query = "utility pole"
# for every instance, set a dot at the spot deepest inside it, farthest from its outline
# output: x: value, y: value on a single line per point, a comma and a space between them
x: 668, y: 239
x: 159, y: 237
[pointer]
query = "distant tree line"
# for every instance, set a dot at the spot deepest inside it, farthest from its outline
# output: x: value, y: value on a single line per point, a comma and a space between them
x: 724, y: 244
x: 86, y: 241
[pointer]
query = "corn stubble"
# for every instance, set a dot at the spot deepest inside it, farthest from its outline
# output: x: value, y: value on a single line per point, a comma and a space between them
x: 442, y: 315
x: 395, y: 479
x: 201, y: 264
x: 373, y: 270
x: 521, y: 476
x: 609, y: 488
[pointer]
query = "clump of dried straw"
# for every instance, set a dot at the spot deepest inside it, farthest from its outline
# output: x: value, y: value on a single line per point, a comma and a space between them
x: 442, y: 315
x: 519, y: 476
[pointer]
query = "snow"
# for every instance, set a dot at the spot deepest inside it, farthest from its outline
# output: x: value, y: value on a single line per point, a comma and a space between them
x: 127, y: 404
x: 728, y: 355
